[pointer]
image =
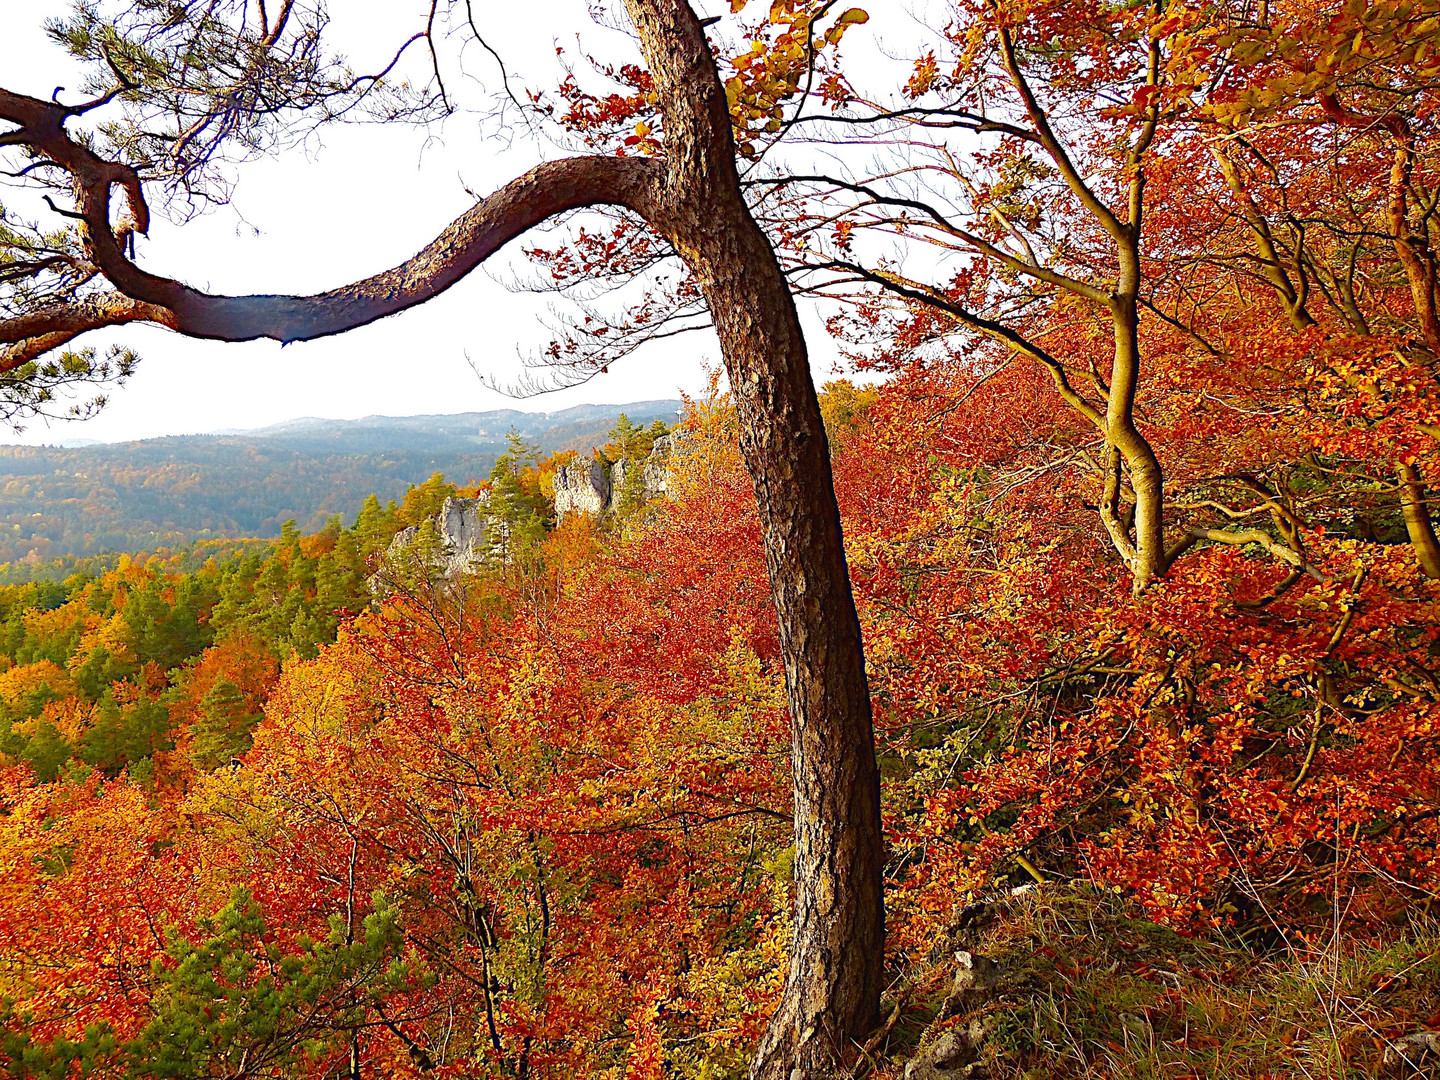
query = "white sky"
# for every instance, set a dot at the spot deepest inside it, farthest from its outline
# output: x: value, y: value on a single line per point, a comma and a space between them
x: 367, y: 198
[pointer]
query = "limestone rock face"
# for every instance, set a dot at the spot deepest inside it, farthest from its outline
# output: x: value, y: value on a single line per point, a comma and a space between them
x: 619, y: 474
x: 465, y: 531
x: 657, y: 465
x: 582, y: 487
x: 470, y: 536
x: 595, y: 486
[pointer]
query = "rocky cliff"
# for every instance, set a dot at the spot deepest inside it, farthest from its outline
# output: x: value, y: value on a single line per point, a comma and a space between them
x: 469, y: 535
x: 583, y: 487
x: 466, y: 532
x: 597, y: 486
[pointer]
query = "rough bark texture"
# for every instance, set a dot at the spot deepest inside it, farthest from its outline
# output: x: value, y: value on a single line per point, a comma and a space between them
x: 833, y: 990
x: 31, y: 335
x: 540, y: 194
x: 692, y: 197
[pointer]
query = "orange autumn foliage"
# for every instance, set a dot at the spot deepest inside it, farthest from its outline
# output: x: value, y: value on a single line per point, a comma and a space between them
x: 568, y: 774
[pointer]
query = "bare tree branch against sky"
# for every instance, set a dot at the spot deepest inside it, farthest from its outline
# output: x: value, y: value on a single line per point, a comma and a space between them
x: 341, y: 204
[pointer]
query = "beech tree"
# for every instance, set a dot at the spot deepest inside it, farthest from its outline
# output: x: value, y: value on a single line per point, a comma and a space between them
x: 261, y: 73
x: 1122, y: 166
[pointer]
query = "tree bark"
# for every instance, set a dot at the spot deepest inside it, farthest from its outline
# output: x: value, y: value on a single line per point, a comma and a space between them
x: 1417, y: 257
x: 1147, y: 479
x: 1417, y: 520
x: 832, y: 993
x: 693, y: 199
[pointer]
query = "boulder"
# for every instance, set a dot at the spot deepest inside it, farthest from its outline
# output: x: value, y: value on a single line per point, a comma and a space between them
x: 1413, y: 1051
x: 955, y: 1052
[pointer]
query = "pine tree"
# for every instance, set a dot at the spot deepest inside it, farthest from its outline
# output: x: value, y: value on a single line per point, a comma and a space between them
x: 340, y: 583
x: 426, y: 500
x: 629, y: 441
x: 223, y: 730
x: 45, y: 751
x: 518, y: 507
x: 100, y: 669
x: 120, y: 737
x: 375, y: 526
x: 632, y: 445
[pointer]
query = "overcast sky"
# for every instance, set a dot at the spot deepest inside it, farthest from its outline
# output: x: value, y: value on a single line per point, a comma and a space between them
x: 367, y: 198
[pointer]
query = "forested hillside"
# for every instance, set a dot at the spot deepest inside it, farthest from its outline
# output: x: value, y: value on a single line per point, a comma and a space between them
x: 101, y: 654
x: 1055, y: 698
x: 551, y: 796
x: 171, y: 492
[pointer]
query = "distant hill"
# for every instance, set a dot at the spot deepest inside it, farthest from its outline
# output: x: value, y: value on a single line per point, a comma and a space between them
x: 137, y: 496
x: 460, y: 432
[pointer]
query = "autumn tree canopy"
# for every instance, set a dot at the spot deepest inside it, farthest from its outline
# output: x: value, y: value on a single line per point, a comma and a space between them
x: 264, y: 75
x: 1136, y: 527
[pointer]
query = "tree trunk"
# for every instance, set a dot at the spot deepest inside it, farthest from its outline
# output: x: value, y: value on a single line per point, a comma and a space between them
x: 832, y: 993
x: 833, y: 989
x: 1147, y: 479
x: 693, y: 199
x: 1417, y: 520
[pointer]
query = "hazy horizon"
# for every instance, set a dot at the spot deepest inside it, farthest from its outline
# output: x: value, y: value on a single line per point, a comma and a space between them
x: 79, y: 441
x: 272, y: 240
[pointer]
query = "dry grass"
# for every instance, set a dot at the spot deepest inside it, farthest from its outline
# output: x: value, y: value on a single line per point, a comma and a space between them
x: 1090, y: 989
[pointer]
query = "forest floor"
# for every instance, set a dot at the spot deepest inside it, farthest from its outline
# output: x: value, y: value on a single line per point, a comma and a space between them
x: 1063, y: 981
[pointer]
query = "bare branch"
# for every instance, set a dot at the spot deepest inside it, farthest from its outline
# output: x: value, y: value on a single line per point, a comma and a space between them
x: 1092, y: 202
x: 545, y: 191
x: 984, y: 247
x: 1264, y: 540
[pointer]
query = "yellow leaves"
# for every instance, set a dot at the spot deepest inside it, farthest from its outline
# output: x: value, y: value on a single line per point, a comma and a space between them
x: 645, y: 142
x: 71, y: 717
x: 732, y: 993
x: 853, y: 17
x: 646, y: 1059
x: 112, y: 635
x: 751, y: 692
x: 927, y: 70
x: 22, y: 683
x: 786, y: 52
x: 313, y: 698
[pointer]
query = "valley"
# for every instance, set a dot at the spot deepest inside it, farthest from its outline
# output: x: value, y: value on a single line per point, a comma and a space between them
x: 171, y: 492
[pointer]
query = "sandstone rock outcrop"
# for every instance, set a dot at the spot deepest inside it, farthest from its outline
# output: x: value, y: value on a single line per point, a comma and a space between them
x: 657, y: 465
x: 582, y: 487
x: 469, y: 535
